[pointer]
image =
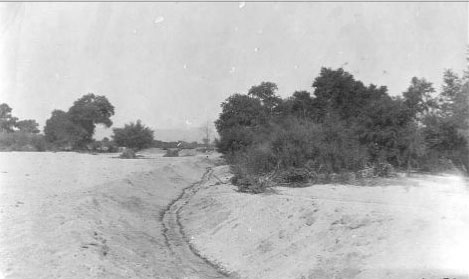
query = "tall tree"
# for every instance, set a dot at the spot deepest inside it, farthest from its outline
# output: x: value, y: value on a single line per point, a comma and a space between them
x: 447, y: 129
x: 240, y: 116
x: 338, y: 92
x: 240, y: 110
x: 90, y: 110
x: 419, y: 98
x: 302, y: 104
x: 61, y: 130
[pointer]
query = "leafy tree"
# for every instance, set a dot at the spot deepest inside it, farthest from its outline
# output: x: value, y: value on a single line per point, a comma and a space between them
x: 266, y: 93
x: 90, y: 110
x: 419, y: 98
x: 454, y: 99
x: 462, y: 108
x: 235, y: 138
x: 302, y: 104
x: 61, y: 130
x: 452, y: 85
x: 333, y: 87
x: 134, y: 135
x: 379, y: 128
x: 7, y: 121
x: 446, y: 129
x: 241, y: 115
x: 240, y: 110
x: 28, y: 126
x: 76, y: 127
x: 412, y: 146
x: 337, y: 91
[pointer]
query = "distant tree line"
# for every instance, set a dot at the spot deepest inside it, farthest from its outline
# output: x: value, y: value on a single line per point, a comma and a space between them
x: 15, y: 134
x: 10, y: 124
x: 72, y: 129
x: 345, y: 127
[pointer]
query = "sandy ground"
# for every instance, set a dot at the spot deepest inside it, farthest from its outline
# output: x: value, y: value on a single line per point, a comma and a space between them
x: 70, y: 215
x: 415, y: 228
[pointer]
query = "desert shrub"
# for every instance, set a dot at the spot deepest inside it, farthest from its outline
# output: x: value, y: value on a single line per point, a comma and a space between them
x: 104, y: 146
x: 366, y: 172
x: 252, y: 168
x: 384, y: 170
x: 294, y: 175
x: 128, y: 153
x: 171, y: 152
x: 254, y: 184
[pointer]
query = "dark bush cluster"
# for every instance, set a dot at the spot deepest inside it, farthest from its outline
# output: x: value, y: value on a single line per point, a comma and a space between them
x: 134, y: 135
x: 22, y: 141
x: 344, y: 131
x: 74, y: 129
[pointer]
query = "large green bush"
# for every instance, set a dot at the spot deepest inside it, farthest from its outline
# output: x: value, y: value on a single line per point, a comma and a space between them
x: 134, y: 135
x: 344, y: 130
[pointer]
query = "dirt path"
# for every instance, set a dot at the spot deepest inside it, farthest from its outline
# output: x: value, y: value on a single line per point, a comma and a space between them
x: 192, y: 265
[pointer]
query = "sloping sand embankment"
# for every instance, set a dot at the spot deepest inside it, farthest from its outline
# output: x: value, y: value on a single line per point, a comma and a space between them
x: 415, y: 228
x: 70, y: 215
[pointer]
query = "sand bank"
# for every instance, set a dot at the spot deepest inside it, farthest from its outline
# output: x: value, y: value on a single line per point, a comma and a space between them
x: 416, y: 228
x: 70, y: 215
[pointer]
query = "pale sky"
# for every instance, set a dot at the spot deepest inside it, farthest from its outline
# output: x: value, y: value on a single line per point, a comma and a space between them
x: 172, y: 64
